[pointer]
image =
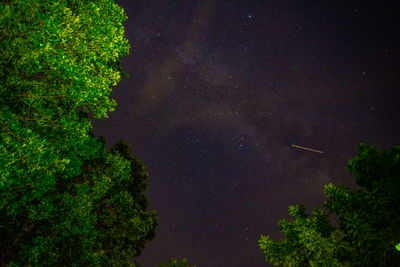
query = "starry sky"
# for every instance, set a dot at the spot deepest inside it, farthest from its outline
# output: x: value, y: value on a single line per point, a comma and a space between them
x: 220, y: 90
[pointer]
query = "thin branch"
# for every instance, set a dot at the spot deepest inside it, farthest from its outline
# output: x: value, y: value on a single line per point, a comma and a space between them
x: 15, y: 135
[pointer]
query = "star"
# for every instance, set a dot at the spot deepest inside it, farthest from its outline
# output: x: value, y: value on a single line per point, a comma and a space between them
x: 215, y: 130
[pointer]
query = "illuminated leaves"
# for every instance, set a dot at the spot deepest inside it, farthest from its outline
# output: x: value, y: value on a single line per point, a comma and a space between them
x: 54, y: 174
x: 367, y: 226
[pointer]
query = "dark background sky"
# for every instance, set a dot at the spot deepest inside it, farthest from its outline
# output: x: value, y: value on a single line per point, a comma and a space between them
x: 218, y: 93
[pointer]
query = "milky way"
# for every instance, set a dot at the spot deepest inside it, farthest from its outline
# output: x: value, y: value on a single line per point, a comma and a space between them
x: 219, y: 92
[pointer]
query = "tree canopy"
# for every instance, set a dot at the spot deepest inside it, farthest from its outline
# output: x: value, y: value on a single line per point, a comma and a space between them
x: 368, y: 225
x: 65, y: 200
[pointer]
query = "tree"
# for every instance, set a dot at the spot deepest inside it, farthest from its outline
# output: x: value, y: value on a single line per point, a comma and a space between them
x: 368, y: 225
x: 101, y: 220
x: 73, y: 44
x: 64, y: 200
x: 174, y: 263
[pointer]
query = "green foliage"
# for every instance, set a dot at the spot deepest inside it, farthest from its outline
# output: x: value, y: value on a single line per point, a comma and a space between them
x: 368, y: 225
x: 101, y: 220
x: 174, y: 263
x: 65, y: 200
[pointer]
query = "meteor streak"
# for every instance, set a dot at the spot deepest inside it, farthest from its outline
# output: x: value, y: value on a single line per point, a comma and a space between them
x: 308, y: 149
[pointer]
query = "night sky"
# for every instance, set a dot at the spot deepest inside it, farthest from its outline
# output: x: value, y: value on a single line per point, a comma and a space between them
x: 220, y: 90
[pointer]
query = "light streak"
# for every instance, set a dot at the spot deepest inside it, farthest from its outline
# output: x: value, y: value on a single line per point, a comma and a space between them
x: 308, y: 149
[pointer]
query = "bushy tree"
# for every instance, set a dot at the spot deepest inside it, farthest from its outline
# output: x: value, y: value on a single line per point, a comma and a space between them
x: 100, y: 220
x: 64, y: 200
x: 368, y: 224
